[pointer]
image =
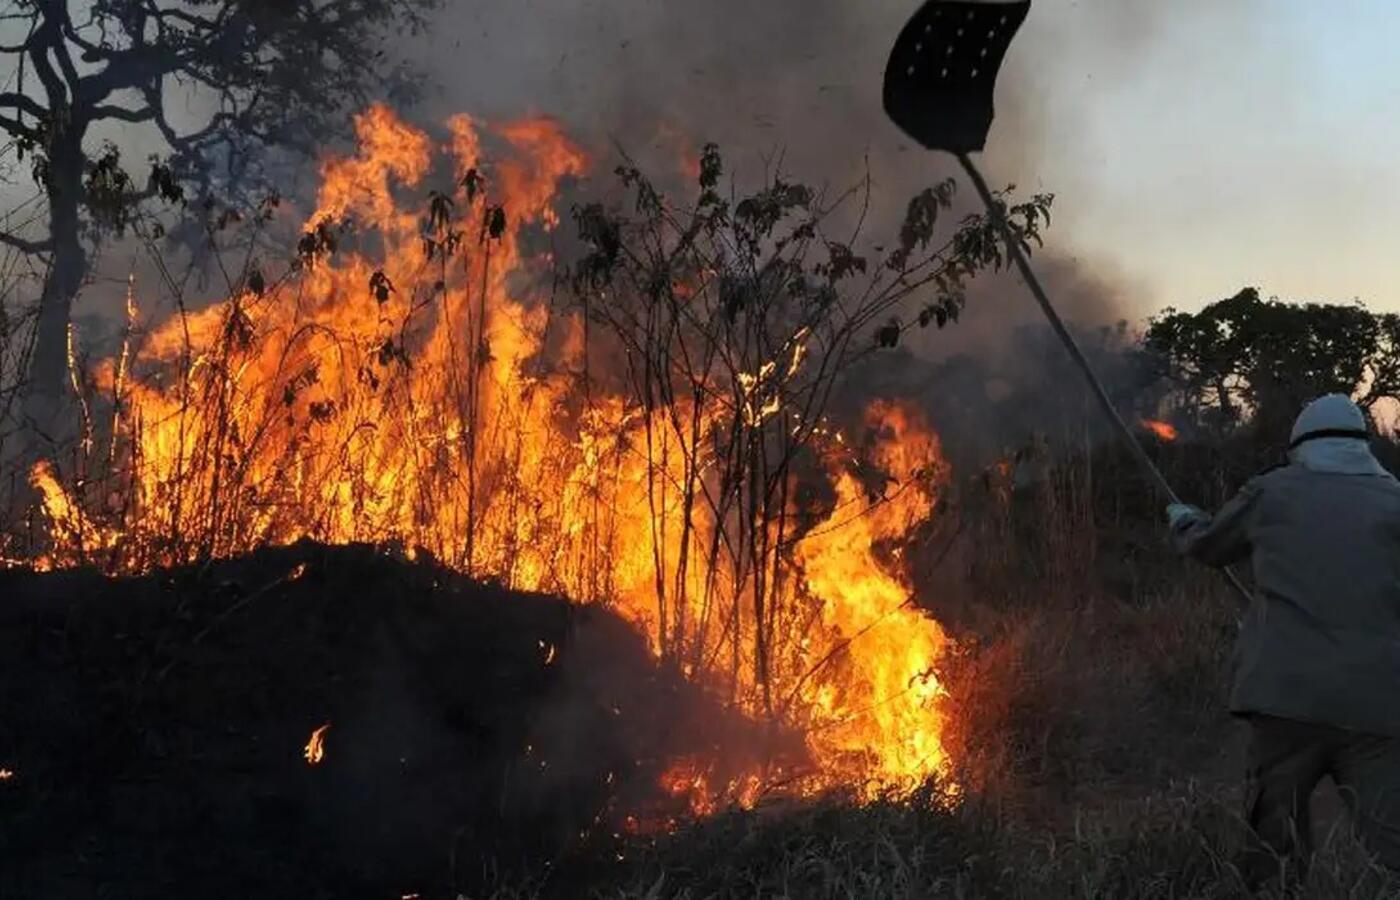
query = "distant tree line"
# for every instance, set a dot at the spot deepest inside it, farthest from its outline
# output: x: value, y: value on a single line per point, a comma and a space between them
x: 1250, y: 361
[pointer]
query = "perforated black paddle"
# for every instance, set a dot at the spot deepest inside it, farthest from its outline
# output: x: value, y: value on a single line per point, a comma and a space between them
x: 939, y: 86
x: 943, y: 71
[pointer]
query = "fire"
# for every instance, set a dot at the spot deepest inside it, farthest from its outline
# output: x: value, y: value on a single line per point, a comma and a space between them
x: 422, y: 388
x: 83, y: 539
x: 6, y: 774
x: 315, y: 749
x: 881, y: 719
x: 1163, y: 430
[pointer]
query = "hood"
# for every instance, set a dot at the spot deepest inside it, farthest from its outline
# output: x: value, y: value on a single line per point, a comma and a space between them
x: 1337, y: 456
x: 1333, y: 415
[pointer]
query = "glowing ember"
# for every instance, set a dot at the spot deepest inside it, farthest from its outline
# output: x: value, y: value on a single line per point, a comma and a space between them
x: 424, y: 389
x: 1164, y: 431
x: 316, y: 747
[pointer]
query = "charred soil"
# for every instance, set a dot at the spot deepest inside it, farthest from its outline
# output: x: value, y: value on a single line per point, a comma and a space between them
x: 156, y: 729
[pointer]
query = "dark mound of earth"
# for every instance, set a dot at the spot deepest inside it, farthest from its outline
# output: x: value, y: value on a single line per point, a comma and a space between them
x: 154, y: 729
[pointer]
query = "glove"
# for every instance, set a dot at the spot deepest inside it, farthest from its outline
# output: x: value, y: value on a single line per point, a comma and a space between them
x: 1181, y: 514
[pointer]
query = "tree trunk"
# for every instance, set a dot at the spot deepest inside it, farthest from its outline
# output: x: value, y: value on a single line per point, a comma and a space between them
x: 47, y: 406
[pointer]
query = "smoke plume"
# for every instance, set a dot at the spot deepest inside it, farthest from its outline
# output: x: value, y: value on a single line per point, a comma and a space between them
x: 799, y: 84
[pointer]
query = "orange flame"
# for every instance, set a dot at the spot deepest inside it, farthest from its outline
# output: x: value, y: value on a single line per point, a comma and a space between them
x: 80, y: 538
x: 6, y: 774
x: 419, y: 389
x: 1163, y: 430
x: 315, y: 749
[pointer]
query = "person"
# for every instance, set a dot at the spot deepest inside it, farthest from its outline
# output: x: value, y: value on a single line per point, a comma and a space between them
x: 1317, y: 663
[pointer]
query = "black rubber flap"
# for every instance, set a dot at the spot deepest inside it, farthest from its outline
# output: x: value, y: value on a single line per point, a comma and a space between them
x: 943, y: 71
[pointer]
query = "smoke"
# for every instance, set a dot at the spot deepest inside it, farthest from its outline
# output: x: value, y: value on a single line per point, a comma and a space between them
x: 792, y: 83
x: 799, y: 84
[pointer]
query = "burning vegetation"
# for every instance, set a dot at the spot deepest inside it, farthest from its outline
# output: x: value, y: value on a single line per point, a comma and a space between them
x: 646, y: 427
x: 1163, y: 431
x: 315, y: 750
x: 563, y: 513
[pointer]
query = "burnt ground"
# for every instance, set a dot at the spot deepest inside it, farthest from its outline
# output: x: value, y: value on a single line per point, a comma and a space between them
x: 155, y: 729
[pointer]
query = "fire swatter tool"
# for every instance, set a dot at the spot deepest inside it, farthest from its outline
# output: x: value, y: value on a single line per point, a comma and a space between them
x: 939, y: 86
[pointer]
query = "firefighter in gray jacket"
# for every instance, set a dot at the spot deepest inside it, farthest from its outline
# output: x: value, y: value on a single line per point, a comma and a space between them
x: 1317, y: 665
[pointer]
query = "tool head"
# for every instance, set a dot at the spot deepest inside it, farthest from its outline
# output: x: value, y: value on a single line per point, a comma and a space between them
x: 943, y: 70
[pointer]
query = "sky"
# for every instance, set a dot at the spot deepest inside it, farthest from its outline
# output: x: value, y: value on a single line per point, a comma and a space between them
x: 1194, y: 146
x: 1239, y: 148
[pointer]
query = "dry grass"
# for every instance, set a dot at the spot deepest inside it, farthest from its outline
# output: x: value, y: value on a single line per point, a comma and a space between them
x: 1181, y: 845
x: 1104, y: 768
x: 1096, y: 757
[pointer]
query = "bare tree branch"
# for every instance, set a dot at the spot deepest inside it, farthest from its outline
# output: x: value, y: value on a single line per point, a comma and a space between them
x: 23, y: 103
x: 279, y: 73
x: 122, y: 114
x: 25, y: 246
x: 16, y: 127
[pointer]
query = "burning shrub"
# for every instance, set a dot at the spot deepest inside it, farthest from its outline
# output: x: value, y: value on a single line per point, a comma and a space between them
x: 411, y: 380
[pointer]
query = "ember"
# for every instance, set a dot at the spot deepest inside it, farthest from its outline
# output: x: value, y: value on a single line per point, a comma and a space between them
x: 316, y: 747
x: 1164, y: 431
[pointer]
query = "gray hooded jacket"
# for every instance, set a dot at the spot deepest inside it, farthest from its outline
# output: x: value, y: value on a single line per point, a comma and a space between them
x: 1321, y: 640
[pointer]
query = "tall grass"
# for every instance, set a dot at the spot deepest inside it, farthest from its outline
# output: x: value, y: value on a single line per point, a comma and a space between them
x: 1096, y: 759
x: 1182, y: 846
x: 1095, y: 756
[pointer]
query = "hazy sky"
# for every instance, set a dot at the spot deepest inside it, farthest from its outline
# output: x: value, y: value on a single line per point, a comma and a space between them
x: 1195, y: 146
x: 1239, y: 148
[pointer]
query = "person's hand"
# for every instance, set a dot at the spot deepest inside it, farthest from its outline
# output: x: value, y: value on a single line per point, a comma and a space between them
x: 1179, y: 514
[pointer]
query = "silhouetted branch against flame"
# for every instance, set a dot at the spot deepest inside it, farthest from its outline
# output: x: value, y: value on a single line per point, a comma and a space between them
x: 699, y: 295
x: 662, y: 444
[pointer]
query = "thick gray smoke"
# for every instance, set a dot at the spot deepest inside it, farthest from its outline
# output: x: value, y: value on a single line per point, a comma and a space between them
x: 800, y: 83
x: 794, y: 84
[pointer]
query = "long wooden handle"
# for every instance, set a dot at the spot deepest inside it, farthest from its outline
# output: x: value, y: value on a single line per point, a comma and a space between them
x: 1013, y: 247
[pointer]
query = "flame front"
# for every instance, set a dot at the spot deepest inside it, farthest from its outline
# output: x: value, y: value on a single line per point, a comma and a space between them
x: 880, y: 718
x: 420, y: 389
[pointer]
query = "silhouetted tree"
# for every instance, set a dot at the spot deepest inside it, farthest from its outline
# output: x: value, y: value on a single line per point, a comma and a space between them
x: 269, y: 72
x: 1247, y: 358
